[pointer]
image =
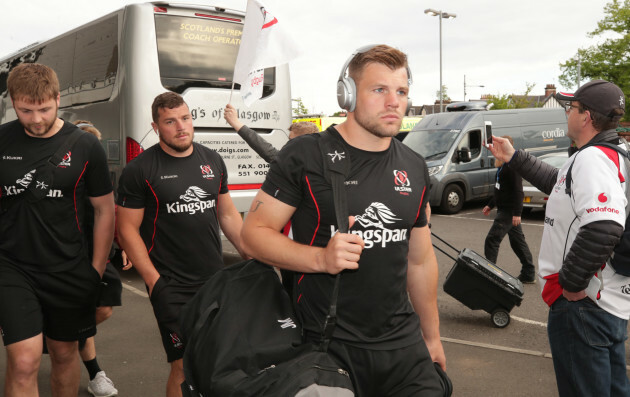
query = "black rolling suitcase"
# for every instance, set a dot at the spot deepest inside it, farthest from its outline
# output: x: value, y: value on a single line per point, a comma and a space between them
x: 482, y: 285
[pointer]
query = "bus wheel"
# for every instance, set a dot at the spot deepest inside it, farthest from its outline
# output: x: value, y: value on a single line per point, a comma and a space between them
x: 452, y: 199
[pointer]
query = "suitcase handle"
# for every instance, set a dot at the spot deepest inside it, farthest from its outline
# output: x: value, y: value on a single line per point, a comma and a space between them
x: 442, y: 240
x: 444, y: 252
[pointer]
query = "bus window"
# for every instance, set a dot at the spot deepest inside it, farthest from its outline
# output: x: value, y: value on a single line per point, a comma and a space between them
x: 184, y: 48
x: 96, y: 62
x: 59, y: 54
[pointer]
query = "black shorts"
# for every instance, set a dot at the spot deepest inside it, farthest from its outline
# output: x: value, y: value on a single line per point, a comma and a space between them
x: 111, y: 287
x: 408, y: 371
x: 60, y: 304
x: 167, y: 298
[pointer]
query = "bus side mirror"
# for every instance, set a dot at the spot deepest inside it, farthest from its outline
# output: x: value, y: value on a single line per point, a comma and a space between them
x: 463, y: 155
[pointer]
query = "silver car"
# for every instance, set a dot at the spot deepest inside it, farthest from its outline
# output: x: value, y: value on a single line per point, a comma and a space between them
x: 534, y: 198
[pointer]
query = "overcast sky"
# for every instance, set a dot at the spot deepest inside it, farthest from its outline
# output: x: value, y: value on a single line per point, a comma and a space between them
x: 501, y: 44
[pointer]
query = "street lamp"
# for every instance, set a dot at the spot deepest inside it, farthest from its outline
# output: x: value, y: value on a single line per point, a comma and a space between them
x: 441, y: 14
x: 469, y: 86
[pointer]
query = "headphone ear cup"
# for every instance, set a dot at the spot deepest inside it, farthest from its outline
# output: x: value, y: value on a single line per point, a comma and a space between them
x: 346, y: 94
x: 352, y: 94
x: 342, y: 94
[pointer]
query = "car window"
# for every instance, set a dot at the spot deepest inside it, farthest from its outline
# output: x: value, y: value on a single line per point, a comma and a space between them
x: 556, y: 161
x: 471, y: 140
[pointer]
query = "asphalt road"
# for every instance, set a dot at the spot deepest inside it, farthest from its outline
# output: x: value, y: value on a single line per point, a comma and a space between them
x: 482, y: 360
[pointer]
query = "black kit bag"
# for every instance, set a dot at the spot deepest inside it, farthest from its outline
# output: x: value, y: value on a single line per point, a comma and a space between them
x: 241, y: 332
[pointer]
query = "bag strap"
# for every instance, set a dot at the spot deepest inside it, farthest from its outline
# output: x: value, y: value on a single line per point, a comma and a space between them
x: 625, y: 154
x: 66, y: 146
x: 336, y: 167
x: 47, y: 169
x: 52, y: 163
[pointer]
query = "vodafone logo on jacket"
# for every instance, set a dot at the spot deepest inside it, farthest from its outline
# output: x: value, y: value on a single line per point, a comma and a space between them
x: 601, y: 200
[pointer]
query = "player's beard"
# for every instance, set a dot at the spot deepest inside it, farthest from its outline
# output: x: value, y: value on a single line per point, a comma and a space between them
x: 45, y: 126
x: 372, y: 125
x: 179, y: 147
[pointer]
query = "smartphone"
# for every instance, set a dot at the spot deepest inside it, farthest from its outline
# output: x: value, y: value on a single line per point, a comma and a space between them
x: 593, y: 289
x: 488, y: 132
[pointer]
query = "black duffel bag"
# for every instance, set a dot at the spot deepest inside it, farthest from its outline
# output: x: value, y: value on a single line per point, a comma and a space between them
x: 242, y: 339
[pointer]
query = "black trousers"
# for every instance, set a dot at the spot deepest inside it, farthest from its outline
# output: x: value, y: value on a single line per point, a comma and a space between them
x: 503, y: 225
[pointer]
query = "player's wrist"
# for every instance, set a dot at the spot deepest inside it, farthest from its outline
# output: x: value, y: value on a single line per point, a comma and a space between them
x: 320, y: 261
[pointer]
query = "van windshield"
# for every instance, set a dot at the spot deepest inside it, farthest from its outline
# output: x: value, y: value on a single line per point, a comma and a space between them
x: 199, y: 52
x: 431, y: 144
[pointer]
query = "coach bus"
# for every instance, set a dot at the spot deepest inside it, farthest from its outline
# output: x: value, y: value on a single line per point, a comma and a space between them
x: 111, y: 69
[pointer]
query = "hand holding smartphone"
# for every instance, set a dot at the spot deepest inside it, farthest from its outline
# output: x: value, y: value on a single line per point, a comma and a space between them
x: 488, y: 132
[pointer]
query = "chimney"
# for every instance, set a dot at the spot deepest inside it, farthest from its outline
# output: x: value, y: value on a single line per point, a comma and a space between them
x: 550, y: 89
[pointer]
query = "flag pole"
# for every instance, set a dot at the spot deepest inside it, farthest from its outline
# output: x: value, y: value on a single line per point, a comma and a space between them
x: 231, y: 91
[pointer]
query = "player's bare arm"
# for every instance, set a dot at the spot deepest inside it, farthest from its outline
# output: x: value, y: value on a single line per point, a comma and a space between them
x: 422, y: 281
x: 263, y: 240
x: 103, y: 230
x: 230, y: 221
x: 128, y: 224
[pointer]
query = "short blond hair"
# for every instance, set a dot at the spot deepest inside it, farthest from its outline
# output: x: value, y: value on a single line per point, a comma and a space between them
x: 382, y: 54
x: 303, y: 128
x: 33, y: 82
x: 87, y: 126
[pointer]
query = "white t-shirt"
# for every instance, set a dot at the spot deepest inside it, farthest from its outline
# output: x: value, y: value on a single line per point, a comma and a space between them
x: 598, y: 193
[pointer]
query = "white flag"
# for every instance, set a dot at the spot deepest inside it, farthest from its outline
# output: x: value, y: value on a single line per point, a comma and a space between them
x: 264, y: 44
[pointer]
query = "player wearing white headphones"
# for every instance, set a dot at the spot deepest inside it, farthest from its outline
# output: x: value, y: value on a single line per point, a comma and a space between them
x: 379, y: 337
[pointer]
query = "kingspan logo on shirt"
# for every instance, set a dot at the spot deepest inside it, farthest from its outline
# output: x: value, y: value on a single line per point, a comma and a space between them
x: 375, y: 220
x: 194, y: 202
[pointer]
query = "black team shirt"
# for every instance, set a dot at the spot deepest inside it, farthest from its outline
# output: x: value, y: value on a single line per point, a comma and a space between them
x: 48, y: 235
x: 387, y: 193
x: 179, y: 195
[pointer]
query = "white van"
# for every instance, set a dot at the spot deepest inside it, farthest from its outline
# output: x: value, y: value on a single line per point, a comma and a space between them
x: 460, y: 167
x: 111, y: 69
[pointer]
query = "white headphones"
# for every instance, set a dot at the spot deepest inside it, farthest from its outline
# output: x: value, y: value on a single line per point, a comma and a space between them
x: 347, y: 88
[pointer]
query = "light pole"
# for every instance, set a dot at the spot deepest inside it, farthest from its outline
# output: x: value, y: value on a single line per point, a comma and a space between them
x: 469, y: 86
x: 441, y: 14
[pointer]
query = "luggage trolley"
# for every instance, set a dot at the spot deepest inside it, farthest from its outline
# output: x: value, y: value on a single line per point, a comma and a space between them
x: 481, y: 285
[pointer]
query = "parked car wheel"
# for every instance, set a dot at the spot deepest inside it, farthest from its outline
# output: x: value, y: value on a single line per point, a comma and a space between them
x: 452, y: 199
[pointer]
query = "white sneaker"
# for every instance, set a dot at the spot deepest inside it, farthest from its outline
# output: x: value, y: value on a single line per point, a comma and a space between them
x: 102, y: 386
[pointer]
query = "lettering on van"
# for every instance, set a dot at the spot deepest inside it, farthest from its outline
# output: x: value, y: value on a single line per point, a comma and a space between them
x: 198, y: 112
x: 215, y: 34
x: 250, y: 115
x: 551, y: 134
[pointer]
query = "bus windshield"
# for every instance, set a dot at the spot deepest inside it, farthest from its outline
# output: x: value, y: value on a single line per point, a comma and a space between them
x: 199, y: 52
x: 431, y: 144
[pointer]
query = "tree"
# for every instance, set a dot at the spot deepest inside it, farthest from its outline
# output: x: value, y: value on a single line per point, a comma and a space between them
x: 609, y: 60
x: 506, y: 101
x: 499, y: 101
x: 299, y: 108
x: 445, y: 97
